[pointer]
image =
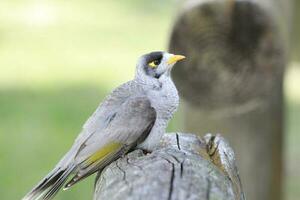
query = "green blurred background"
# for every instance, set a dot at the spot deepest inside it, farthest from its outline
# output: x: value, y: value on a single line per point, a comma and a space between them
x: 58, y: 59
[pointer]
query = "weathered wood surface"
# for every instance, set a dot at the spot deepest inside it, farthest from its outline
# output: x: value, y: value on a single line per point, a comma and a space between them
x: 179, y: 169
x: 231, y: 81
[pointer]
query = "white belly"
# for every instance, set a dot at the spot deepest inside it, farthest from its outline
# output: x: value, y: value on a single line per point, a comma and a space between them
x: 165, y: 103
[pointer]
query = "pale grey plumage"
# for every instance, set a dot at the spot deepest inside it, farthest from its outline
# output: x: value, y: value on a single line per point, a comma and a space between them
x: 134, y: 114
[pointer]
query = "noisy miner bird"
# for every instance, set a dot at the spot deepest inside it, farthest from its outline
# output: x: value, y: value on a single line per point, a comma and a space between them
x: 134, y: 115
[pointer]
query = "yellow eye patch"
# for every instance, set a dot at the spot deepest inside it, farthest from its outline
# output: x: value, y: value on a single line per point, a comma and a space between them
x: 154, y: 64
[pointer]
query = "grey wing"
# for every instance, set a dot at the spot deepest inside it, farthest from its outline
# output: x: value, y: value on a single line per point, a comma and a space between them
x: 127, y: 127
x: 105, y: 119
x: 106, y: 109
x: 100, y: 118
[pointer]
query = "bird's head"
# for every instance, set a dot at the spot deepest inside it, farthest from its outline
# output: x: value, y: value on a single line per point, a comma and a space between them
x: 156, y: 65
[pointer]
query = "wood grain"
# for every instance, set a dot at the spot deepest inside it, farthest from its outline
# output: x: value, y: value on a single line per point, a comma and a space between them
x: 178, y: 170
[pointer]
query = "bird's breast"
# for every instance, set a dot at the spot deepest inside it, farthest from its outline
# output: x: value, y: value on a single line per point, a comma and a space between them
x: 165, y: 102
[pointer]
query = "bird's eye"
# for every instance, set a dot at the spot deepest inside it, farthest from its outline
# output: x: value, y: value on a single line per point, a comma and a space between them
x: 154, y: 63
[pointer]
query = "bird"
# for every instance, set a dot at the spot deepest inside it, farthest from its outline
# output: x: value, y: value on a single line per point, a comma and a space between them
x: 134, y: 116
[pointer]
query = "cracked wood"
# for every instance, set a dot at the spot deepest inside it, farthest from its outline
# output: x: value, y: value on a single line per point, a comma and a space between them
x: 179, y: 169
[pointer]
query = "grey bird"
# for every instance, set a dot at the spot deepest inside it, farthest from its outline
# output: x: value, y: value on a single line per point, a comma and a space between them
x: 134, y: 115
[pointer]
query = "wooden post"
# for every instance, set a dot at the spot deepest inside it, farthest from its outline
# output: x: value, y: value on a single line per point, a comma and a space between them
x: 295, y: 46
x: 180, y: 169
x: 231, y: 81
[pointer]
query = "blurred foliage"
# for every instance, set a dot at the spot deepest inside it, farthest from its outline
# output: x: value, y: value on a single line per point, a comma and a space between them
x: 292, y: 132
x: 37, y: 127
x: 58, y: 59
x: 43, y: 42
x: 292, y: 152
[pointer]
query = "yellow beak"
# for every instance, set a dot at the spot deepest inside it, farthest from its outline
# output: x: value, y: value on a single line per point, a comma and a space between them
x: 175, y: 58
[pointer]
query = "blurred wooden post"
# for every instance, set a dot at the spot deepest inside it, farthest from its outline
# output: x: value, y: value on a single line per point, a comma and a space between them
x: 231, y: 81
x: 296, y: 31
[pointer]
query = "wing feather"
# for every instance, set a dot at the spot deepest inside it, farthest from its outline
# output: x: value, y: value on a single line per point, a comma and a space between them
x: 101, y: 117
x: 130, y: 125
x: 124, y: 118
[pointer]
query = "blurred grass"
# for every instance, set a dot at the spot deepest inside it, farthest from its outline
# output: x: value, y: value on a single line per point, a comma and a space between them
x: 292, y: 130
x: 58, y: 59
x: 37, y: 127
x: 292, y: 152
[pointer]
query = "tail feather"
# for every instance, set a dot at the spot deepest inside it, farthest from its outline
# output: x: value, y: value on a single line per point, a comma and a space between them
x: 58, y: 184
x: 50, y: 185
x: 87, y: 168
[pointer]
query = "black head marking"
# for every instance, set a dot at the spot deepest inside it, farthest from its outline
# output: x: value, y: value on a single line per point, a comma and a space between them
x: 156, y: 57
